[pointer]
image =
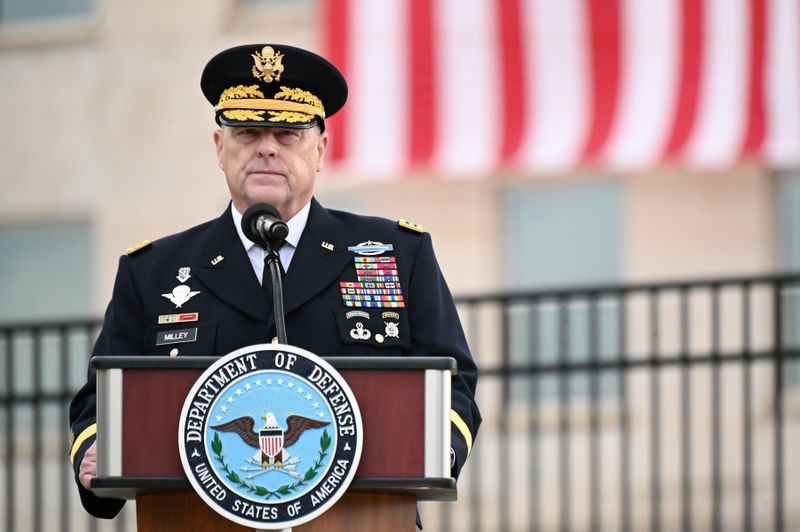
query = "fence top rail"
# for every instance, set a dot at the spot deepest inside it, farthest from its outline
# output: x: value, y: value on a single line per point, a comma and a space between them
x: 52, y: 324
x: 512, y: 295
x: 509, y: 295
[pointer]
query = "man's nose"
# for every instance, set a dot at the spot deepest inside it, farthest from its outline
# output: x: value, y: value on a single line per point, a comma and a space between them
x: 267, y: 143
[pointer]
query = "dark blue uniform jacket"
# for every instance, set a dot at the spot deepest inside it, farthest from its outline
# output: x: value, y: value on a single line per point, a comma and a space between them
x: 233, y: 310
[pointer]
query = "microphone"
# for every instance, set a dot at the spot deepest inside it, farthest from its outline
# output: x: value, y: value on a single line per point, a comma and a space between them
x: 262, y: 224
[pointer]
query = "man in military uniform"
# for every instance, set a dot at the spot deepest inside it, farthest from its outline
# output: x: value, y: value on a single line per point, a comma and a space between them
x: 354, y: 285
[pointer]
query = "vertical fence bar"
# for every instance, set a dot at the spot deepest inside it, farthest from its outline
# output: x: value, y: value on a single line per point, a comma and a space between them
x: 595, y: 469
x: 11, y: 510
x: 504, y: 466
x: 476, y: 507
x: 778, y: 402
x: 564, y: 414
x: 624, y: 418
x: 93, y: 522
x: 686, y: 412
x: 716, y: 417
x: 534, y: 434
x: 64, y: 477
x: 655, y: 412
x: 36, y: 457
x: 747, y: 406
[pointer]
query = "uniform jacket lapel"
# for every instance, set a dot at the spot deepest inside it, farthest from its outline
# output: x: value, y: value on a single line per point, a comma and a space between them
x: 313, y: 267
x: 231, y: 279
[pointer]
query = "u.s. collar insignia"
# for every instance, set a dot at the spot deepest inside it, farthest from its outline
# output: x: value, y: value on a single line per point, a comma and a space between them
x: 183, y: 274
x: 270, y: 436
x: 180, y: 295
x: 370, y: 248
x: 268, y: 64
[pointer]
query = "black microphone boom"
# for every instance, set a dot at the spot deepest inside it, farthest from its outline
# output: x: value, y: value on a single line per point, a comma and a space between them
x: 262, y: 224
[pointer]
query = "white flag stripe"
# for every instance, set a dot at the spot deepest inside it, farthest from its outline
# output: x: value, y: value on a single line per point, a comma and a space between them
x: 722, y: 109
x: 559, y: 92
x: 783, y: 82
x: 468, y: 96
x: 650, y: 70
x: 378, y: 100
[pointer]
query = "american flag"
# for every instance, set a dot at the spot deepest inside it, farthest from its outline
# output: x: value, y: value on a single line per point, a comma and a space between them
x: 469, y: 88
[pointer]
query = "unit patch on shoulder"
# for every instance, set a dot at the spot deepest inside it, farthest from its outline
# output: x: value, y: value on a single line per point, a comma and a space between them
x: 405, y: 224
x: 138, y: 247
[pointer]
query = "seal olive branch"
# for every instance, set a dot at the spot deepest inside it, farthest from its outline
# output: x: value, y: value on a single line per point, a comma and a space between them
x: 286, y: 489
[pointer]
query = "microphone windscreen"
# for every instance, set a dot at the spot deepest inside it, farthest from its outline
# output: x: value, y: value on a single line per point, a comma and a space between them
x: 251, y: 216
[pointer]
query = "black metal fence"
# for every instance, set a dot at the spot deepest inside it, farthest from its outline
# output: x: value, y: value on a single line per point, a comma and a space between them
x: 670, y: 406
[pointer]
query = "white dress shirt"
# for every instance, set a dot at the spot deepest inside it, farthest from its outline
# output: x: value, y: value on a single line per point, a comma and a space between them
x: 256, y: 253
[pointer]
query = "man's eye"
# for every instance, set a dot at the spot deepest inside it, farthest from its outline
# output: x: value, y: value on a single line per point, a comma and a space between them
x: 246, y: 133
x: 288, y: 135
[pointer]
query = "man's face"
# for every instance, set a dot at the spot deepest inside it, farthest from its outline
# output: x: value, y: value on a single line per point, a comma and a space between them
x: 270, y: 165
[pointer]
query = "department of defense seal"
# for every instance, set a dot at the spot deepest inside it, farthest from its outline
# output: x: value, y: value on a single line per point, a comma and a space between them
x: 270, y: 436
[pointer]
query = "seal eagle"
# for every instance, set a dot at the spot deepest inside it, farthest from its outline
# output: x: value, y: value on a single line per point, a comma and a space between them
x: 295, y: 427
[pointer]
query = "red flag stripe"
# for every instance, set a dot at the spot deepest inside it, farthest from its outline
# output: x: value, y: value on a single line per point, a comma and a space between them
x: 756, y: 126
x: 513, y: 86
x: 336, y: 29
x: 688, y: 83
x: 421, y: 77
x: 605, y: 41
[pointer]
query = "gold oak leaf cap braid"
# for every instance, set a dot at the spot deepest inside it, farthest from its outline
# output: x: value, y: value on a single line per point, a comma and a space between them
x: 272, y: 85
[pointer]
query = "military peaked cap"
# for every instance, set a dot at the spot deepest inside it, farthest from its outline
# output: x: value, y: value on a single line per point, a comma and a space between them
x: 272, y: 85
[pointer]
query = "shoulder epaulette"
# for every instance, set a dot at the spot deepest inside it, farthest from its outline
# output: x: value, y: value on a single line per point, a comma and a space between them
x: 405, y: 224
x: 138, y: 247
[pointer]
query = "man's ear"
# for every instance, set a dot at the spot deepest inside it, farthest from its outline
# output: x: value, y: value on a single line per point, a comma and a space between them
x: 322, y: 144
x: 218, y: 141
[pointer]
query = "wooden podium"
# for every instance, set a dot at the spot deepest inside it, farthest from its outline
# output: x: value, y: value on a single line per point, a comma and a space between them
x: 405, y: 408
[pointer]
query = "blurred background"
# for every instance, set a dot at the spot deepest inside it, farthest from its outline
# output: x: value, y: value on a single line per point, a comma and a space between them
x: 613, y: 190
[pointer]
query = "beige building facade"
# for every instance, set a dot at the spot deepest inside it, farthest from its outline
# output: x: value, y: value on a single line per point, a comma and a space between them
x: 107, y: 131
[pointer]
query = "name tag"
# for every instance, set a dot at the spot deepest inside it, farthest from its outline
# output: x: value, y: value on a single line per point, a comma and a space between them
x: 176, y: 336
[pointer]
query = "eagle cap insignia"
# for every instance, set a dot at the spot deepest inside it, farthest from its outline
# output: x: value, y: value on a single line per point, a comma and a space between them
x: 268, y: 65
x: 270, y: 436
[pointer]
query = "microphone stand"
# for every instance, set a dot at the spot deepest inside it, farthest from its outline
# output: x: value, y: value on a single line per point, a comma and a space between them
x: 273, y: 263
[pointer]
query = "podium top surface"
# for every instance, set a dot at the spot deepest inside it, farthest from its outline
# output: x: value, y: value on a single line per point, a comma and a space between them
x: 197, y: 362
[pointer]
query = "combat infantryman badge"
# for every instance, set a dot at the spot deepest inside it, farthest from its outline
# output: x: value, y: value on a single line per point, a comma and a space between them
x: 370, y: 248
x: 302, y: 458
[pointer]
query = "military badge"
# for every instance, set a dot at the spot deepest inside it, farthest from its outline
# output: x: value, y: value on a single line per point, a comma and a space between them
x: 268, y: 64
x: 392, y: 329
x: 270, y: 436
x: 183, y: 274
x: 370, y: 248
x: 180, y: 295
x: 359, y: 332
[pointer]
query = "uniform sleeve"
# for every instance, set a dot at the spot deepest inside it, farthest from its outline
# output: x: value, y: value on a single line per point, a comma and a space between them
x: 436, y: 331
x: 122, y: 334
